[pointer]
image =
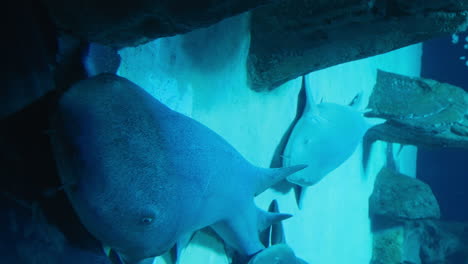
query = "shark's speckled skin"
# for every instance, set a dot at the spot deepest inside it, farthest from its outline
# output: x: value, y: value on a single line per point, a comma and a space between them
x: 142, y: 176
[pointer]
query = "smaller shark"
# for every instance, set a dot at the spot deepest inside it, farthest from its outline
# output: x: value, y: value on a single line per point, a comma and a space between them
x: 323, y: 138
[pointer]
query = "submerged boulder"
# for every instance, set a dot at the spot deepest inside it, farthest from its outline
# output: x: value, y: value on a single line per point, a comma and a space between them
x: 388, y: 246
x: 399, y: 197
x: 292, y: 38
x: 422, y: 242
x: 444, y: 242
x: 130, y: 23
x: 28, y: 55
x: 431, y: 114
x: 28, y: 237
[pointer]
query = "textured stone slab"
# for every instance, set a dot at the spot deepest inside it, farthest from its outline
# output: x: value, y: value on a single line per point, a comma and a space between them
x: 399, y: 197
x: 130, y: 23
x: 419, y: 111
x: 292, y: 38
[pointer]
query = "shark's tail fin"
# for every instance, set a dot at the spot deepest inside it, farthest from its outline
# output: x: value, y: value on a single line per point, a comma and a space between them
x: 269, y: 177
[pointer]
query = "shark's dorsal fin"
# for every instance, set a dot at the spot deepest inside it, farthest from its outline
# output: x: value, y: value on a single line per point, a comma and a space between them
x: 277, y: 159
x: 311, y: 104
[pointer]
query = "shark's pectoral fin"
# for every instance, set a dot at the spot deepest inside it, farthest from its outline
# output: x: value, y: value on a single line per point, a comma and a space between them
x: 144, y: 261
x: 299, y: 194
x: 181, y: 244
x: 114, y: 257
x: 267, y: 219
x: 265, y: 237
x: 269, y: 177
x: 118, y: 258
x: 240, y: 231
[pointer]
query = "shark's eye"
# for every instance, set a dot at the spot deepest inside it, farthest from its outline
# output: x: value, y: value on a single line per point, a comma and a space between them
x: 147, y: 220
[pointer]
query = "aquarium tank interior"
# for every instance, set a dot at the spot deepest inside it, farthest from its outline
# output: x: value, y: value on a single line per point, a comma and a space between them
x: 234, y: 131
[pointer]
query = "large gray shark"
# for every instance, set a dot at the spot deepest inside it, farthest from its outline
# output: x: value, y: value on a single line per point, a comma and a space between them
x: 142, y: 177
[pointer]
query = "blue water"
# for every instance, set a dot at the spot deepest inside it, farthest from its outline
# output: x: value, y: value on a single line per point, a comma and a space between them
x: 446, y: 170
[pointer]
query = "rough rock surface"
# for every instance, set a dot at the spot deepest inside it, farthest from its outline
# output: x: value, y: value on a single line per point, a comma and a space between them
x: 387, y: 246
x: 399, y: 197
x: 444, y: 242
x: 27, y: 54
x: 130, y: 23
x: 27, y: 237
x: 422, y: 242
x: 412, y: 244
x: 292, y: 38
x: 28, y: 172
x: 419, y: 111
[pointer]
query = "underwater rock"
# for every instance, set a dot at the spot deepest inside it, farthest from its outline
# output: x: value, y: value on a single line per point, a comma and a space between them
x: 397, y: 244
x: 444, y: 242
x: 412, y: 244
x: 28, y: 171
x: 27, y: 238
x: 28, y: 55
x: 324, y: 137
x: 292, y: 38
x: 421, y: 241
x: 100, y: 59
x: 387, y: 246
x: 141, y: 176
x: 400, y: 197
x: 431, y: 114
x: 130, y: 23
